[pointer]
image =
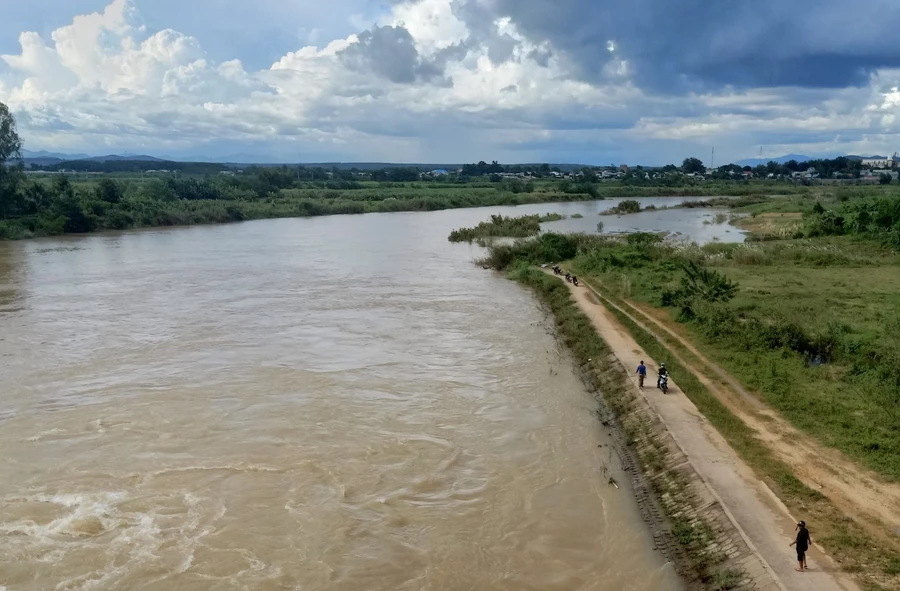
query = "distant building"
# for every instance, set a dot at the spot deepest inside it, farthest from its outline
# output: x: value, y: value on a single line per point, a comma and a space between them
x: 892, y: 173
x: 879, y: 162
x: 624, y: 168
x: 439, y: 172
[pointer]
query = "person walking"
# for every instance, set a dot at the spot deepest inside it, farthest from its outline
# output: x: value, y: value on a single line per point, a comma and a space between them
x: 641, y: 373
x: 802, y: 542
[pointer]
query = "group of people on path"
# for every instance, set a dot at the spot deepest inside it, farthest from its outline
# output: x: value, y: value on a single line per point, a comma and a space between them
x: 803, y: 539
x: 557, y: 270
x: 642, y: 373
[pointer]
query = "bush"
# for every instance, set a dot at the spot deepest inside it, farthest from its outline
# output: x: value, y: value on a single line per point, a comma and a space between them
x: 626, y: 206
x: 499, y: 226
x: 119, y: 220
x: 547, y: 248
x: 13, y: 230
x: 643, y: 238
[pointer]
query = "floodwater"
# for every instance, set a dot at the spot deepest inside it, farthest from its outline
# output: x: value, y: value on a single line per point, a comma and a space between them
x: 693, y: 225
x: 341, y: 403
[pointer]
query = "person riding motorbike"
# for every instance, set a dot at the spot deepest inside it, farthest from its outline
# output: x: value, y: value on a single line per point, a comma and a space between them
x: 663, y: 372
x: 575, y: 281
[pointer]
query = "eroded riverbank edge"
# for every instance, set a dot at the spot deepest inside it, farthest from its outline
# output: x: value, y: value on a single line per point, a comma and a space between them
x: 690, y: 526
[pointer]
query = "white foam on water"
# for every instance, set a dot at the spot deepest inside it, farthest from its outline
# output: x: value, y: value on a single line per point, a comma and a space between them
x: 39, y: 436
x: 128, y: 540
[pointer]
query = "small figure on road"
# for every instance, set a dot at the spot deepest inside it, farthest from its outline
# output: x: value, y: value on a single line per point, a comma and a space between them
x: 802, y: 542
x: 641, y: 373
x: 663, y: 373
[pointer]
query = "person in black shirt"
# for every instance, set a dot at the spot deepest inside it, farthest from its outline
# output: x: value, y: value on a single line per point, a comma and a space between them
x: 662, y: 372
x: 802, y: 542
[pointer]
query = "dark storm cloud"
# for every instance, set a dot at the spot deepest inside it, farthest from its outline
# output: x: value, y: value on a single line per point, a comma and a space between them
x: 391, y: 53
x: 675, y: 46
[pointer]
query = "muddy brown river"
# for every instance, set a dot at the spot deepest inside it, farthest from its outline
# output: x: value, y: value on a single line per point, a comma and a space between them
x: 341, y: 403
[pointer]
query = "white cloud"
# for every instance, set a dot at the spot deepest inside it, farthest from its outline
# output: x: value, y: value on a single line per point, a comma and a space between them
x: 104, y: 81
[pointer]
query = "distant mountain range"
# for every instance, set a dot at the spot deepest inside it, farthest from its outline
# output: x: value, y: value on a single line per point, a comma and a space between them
x: 29, y: 155
x: 45, y: 158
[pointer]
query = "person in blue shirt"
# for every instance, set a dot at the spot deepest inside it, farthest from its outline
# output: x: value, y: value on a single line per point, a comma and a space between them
x: 642, y: 373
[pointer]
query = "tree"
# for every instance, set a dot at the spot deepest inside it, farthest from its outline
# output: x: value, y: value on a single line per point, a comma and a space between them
x: 10, y: 178
x: 706, y: 284
x: 109, y: 191
x: 599, y: 227
x: 885, y: 179
x: 10, y: 143
x: 694, y: 165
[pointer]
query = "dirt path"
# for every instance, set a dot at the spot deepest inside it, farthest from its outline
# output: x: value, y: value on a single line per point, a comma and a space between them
x: 856, y: 491
x: 763, y: 520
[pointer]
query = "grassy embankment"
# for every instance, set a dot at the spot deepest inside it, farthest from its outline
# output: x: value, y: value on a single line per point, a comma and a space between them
x: 697, y: 558
x: 812, y: 327
x: 43, y: 206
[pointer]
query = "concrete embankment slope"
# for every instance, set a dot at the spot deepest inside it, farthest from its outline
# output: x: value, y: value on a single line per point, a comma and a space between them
x: 762, y: 522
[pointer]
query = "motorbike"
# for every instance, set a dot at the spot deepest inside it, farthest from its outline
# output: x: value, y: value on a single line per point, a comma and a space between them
x: 664, y: 383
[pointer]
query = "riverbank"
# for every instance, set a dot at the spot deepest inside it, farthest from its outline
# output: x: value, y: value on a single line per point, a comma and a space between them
x: 752, y: 510
x: 62, y: 207
x: 694, y: 530
x: 735, y: 324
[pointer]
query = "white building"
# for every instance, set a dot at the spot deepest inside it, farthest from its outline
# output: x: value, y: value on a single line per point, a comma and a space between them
x: 878, y: 162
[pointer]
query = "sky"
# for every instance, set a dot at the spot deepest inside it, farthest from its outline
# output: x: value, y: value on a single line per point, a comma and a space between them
x: 451, y: 81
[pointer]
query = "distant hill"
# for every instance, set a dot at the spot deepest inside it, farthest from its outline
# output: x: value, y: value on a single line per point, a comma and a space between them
x: 44, y: 154
x: 117, y: 158
x: 46, y: 158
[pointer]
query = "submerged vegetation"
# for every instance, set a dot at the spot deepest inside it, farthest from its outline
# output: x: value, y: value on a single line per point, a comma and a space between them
x: 624, y: 207
x: 504, y: 227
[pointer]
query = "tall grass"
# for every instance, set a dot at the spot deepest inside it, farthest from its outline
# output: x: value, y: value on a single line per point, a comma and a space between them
x: 810, y: 328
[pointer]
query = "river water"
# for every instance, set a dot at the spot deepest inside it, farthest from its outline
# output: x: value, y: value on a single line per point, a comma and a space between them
x: 332, y: 403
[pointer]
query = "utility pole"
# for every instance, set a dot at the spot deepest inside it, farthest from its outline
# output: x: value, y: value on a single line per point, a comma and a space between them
x: 712, y: 164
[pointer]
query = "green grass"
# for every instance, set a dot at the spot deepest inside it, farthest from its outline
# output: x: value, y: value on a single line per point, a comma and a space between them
x: 814, y: 328
x: 855, y: 550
